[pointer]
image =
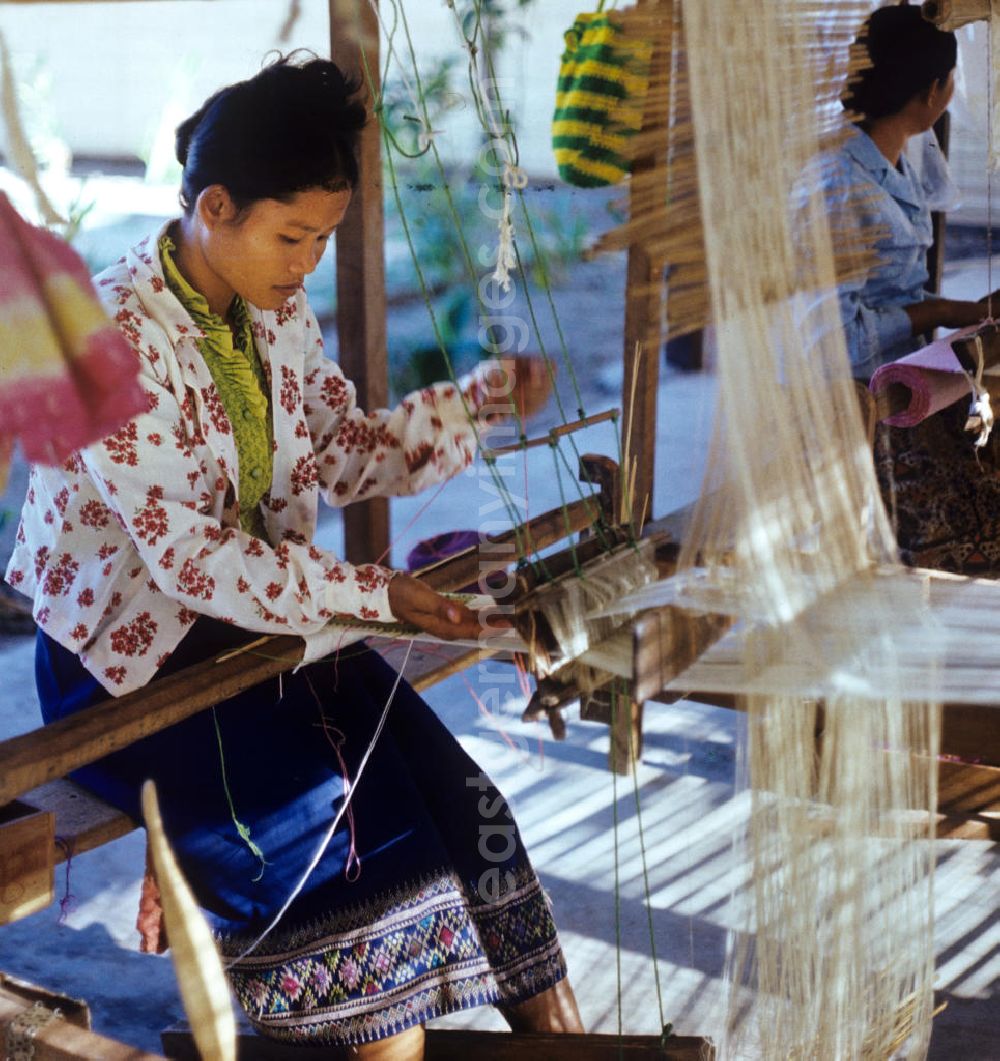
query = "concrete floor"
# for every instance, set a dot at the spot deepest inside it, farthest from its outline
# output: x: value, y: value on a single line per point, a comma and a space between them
x: 565, y: 801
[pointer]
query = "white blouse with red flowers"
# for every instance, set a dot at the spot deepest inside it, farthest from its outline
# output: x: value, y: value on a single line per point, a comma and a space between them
x: 124, y: 545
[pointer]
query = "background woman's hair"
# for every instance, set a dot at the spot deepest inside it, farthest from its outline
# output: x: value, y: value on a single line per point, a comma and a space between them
x: 291, y: 127
x: 908, y: 54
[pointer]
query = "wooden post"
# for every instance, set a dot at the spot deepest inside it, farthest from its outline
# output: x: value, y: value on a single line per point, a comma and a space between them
x: 639, y: 392
x: 642, y: 330
x: 26, y: 861
x: 360, y: 250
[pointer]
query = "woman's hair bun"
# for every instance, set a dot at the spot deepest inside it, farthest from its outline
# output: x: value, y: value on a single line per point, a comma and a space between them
x: 906, y: 53
x: 292, y: 126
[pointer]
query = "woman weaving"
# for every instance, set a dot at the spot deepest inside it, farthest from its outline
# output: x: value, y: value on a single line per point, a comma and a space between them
x: 945, y: 498
x: 190, y: 531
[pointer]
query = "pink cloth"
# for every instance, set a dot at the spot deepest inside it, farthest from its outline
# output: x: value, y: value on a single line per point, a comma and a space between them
x: 932, y: 375
x: 68, y: 377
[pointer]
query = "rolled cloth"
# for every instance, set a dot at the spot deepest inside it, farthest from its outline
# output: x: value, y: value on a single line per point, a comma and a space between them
x: 932, y: 375
x: 68, y: 376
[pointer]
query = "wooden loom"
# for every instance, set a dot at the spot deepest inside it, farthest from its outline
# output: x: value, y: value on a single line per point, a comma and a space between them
x: 37, y: 805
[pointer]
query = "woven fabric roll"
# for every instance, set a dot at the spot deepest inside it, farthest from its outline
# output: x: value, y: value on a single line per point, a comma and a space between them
x: 933, y: 377
x: 67, y: 374
x: 603, y: 78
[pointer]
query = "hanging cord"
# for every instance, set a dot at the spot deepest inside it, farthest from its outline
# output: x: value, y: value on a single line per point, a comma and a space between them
x: 511, y: 138
x: 425, y: 293
x: 540, y: 257
x: 337, y: 739
x: 980, y: 418
x: 514, y: 179
x: 241, y: 828
x: 325, y: 843
x: 502, y: 492
x: 508, y: 137
x: 425, y: 137
x: 512, y: 176
x: 498, y: 482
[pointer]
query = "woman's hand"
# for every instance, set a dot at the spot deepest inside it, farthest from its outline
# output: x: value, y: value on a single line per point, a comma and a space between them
x: 522, y: 381
x: 413, y: 602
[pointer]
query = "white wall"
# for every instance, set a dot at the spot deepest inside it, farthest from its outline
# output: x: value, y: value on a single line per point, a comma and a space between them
x: 118, y: 71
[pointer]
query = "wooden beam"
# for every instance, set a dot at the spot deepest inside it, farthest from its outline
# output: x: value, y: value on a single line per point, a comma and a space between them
x: 65, y: 1037
x: 360, y: 253
x: 498, y: 553
x: 966, y: 788
x: 970, y: 731
x: 32, y: 759
x: 459, y: 1044
x: 939, y: 221
x: 83, y: 821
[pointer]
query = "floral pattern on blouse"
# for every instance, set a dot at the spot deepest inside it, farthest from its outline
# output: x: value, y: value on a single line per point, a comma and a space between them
x: 123, y: 545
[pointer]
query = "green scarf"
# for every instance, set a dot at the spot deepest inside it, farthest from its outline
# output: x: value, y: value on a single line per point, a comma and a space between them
x: 231, y: 357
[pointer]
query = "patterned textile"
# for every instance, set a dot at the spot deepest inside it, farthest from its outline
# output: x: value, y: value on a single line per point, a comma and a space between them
x: 443, y: 912
x: 67, y: 376
x: 603, y: 78
x: 127, y: 542
x: 232, y: 358
x: 945, y: 503
x: 414, y: 954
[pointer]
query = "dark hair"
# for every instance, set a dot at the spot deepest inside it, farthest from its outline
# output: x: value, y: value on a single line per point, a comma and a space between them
x: 908, y: 54
x: 291, y: 127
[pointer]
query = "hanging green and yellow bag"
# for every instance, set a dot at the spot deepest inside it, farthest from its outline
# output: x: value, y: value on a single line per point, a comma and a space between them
x: 603, y: 78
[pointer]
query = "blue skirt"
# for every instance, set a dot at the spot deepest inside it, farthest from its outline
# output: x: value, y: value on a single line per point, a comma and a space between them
x: 432, y: 907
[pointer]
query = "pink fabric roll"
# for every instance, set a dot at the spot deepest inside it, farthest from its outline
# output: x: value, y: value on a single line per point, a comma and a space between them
x: 67, y: 374
x: 932, y: 375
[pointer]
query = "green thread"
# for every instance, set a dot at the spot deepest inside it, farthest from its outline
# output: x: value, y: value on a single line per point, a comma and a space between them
x: 501, y: 487
x: 242, y: 829
x: 618, y: 896
x: 645, y: 882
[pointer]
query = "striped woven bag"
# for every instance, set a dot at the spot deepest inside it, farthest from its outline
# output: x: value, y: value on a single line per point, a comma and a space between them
x: 603, y: 77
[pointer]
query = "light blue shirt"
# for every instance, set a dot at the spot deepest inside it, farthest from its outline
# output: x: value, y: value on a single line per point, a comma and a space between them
x: 874, y: 193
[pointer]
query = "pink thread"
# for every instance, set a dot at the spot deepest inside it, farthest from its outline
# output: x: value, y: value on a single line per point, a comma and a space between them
x: 352, y: 869
x: 420, y: 511
x: 521, y: 668
x: 486, y: 713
